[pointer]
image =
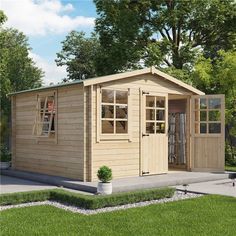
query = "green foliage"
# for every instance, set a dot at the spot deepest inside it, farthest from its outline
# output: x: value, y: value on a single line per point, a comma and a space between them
x: 5, y: 154
x: 230, y: 155
x: 131, y: 197
x: 86, y: 201
x: 230, y: 168
x: 162, y: 33
x: 104, y: 174
x: 3, y: 18
x: 17, y: 70
x: 23, y: 197
x: 78, y: 54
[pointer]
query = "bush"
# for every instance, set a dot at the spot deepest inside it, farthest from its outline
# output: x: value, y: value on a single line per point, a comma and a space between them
x: 86, y: 201
x: 104, y: 174
x: 230, y: 155
x: 5, y: 154
x: 23, y: 197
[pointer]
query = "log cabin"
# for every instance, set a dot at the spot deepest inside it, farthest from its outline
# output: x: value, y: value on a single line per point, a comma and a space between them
x: 139, y: 123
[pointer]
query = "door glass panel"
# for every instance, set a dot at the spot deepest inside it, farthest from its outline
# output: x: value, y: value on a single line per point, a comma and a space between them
x: 203, y: 103
x: 107, y: 111
x: 121, y: 97
x: 150, y: 127
x: 150, y: 114
x: 150, y: 101
x: 107, y: 96
x: 203, y: 115
x: 214, y: 128
x: 121, y: 127
x: 160, y: 115
x: 107, y: 126
x: 160, y: 128
x: 160, y: 102
x: 214, y: 103
x: 214, y: 115
x: 203, y: 128
x: 121, y: 112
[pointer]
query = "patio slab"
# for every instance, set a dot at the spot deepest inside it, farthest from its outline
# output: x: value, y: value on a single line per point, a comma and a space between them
x: 12, y: 185
x: 173, y: 178
x: 221, y: 187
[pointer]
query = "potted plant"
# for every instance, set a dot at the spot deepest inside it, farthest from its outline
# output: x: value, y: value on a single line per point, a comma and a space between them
x: 104, y: 174
x: 5, y: 158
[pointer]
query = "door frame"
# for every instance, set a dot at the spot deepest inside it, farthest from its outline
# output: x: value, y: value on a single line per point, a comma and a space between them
x: 193, y: 134
x: 142, y: 120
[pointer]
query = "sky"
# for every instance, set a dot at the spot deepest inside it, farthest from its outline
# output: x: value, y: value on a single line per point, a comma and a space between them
x: 46, y: 24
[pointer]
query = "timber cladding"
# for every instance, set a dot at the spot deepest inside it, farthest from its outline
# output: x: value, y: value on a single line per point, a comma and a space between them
x: 124, y: 156
x: 65, y: 156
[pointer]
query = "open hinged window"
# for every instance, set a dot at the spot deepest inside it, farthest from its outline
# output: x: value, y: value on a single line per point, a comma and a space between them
x: 113, y: 114
x: 45, y: 117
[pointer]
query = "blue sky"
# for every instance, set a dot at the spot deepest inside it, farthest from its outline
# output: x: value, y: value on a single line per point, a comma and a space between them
x: 46, y: 23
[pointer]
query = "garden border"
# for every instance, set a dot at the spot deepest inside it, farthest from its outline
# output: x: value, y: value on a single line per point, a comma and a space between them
x: 86, y: 201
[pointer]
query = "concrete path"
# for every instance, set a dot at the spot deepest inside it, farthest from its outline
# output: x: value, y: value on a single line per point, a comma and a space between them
x: 221, y: 187
x: 12, y: 185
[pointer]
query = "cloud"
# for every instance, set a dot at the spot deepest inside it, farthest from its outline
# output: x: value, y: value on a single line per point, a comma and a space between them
x: 53, y: 73
x: 42, y: 17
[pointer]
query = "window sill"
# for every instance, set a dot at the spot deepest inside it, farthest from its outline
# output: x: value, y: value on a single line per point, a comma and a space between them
x: 108, y: 137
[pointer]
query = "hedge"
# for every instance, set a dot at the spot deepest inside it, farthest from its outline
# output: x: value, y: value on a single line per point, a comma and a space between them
x: 86, y: 201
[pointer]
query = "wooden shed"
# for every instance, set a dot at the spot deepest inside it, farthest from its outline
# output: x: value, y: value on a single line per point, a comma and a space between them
x: 138, y: 123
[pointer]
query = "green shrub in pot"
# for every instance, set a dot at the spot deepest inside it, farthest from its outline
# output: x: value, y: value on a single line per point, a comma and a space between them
x: 104, y: 174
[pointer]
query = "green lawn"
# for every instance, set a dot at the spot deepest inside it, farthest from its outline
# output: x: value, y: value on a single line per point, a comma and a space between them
x: 208, y: 215
x: 230, y: 168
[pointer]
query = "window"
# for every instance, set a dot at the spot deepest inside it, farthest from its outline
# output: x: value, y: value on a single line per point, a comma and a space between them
x: 114, y: 111
x: 155, y: 114
x: 207, y: 115
x: 45, y: 118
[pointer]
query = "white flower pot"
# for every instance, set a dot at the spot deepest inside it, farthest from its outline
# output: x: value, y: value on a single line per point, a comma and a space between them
x: 5, y: 165
x: 104, y: 188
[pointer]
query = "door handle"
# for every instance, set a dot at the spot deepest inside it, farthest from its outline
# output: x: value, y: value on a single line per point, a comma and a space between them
x: 143, y: 135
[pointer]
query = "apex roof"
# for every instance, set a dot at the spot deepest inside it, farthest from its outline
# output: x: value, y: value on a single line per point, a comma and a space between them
x: 118, y: 76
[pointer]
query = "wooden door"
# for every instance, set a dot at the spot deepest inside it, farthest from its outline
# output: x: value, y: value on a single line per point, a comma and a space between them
x: 207, y: 133
x: 154, y: 138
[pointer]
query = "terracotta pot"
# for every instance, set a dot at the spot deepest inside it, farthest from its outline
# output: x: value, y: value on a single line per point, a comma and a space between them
x: 104, y: 188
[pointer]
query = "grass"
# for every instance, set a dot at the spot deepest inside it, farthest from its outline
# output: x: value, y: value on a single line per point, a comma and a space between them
x: 86, y: 201
x: 208, y: 215
x: 230, y: 168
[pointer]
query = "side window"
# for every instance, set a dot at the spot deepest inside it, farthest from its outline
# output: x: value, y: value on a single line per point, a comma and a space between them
x: 45, y: 117
x: 207, y: 115
x: 155, y: 114
x: 114, y: 111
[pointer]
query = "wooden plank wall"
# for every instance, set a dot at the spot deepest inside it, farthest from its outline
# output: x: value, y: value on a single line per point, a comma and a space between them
x: 123, y: 156
x: 64, y: 158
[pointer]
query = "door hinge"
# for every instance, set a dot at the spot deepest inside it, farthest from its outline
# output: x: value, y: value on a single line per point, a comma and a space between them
x: 145, y: 93
x: 145, y: 172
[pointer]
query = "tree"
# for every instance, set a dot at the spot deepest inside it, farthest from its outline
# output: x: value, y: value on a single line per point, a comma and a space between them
x: 17, y: 70
x: 219, y: 77
x: 79, y: 55
x: 165, y: 33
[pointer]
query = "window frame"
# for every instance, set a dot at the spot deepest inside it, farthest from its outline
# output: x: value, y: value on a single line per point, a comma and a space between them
x: 155, y: 108
x: 196, y: 122
x: 113, y: 136
x: 50, y: 137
